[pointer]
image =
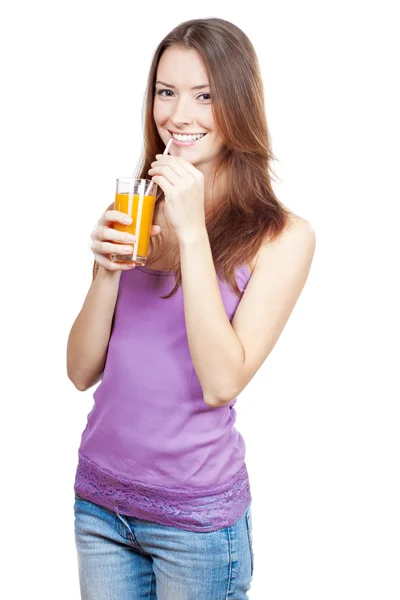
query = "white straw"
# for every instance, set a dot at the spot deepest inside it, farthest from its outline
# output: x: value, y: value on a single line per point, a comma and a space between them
x: 139, y: 217
x: 167, y: 147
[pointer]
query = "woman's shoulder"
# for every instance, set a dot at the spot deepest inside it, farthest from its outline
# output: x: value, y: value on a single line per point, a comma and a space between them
x: 294, y: 221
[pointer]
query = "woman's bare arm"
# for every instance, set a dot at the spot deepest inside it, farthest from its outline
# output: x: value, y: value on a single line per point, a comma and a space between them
x: 89, y: 336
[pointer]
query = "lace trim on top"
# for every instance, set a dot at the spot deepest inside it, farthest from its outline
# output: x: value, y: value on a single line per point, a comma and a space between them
x: 189, y: 509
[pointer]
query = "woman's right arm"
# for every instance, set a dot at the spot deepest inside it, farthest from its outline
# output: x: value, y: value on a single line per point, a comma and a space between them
x: 90, y: 334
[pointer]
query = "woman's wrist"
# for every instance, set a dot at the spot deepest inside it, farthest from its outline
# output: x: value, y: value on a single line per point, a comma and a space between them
x: 107, y: 275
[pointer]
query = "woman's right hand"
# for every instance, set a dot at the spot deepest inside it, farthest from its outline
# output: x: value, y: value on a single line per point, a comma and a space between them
x: 106, y: 241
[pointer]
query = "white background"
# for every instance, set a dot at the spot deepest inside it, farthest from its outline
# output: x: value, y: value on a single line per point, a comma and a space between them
x: 321, y: 417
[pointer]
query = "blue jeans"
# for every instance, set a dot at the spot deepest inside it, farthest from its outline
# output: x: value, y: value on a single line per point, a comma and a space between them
x: 126, y: 558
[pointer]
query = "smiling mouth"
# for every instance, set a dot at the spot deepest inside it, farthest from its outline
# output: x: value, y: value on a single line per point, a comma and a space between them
x: 187, y: 137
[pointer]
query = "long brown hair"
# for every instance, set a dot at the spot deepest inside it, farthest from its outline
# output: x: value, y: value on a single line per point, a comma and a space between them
x: 247, y: 213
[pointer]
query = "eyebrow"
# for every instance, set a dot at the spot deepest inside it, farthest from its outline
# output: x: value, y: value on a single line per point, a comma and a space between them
x: 196, y: 87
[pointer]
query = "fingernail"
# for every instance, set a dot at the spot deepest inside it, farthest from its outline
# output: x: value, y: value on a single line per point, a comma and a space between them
x: 127, y: 219
x: 130, y: 238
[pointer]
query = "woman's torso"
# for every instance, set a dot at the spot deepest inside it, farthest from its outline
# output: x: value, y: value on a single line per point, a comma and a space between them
x: 152, y: 448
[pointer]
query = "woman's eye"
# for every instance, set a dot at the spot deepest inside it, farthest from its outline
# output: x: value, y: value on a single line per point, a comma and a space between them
x: 161, y: 93
x: 169, y: 93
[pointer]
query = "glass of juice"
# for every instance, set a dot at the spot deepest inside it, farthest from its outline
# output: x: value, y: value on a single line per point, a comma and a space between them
x: 136, y: 198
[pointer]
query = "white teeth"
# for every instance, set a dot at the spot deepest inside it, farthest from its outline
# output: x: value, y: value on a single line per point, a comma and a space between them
x: 187, y: 138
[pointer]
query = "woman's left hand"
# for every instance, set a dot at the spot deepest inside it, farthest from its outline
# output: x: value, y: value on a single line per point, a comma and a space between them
x: 183, y: 186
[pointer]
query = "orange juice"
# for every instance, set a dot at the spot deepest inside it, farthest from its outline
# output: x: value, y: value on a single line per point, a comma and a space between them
x: 140, y: 227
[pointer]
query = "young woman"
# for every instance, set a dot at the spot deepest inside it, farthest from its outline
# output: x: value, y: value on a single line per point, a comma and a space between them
x: 162, y: 495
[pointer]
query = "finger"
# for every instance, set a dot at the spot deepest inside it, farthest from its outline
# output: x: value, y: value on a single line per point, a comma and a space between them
x: 114, y: 216
x: 170, y: 172
x: 179, y: 161
x: 165, y: 185
x: 107, y: 234
x: 102, y: 248
x: 155, y: 230
x: 172, y: 162
x: 112, y: 235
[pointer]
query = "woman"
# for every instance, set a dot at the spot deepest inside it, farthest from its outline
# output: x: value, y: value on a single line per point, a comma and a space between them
x: 162, y: 495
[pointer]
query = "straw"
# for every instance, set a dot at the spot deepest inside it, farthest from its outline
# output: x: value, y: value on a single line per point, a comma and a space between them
x: 167, y: 147
x: 139, y: 217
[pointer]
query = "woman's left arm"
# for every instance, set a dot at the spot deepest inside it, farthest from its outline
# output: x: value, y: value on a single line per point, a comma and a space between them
x: 216, y: 351
x: 227, y: 356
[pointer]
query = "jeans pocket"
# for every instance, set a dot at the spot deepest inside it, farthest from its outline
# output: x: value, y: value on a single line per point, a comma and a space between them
x: 249, y: 524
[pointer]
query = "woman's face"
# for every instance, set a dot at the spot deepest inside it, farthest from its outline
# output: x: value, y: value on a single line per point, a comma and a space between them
x: 183, y: 106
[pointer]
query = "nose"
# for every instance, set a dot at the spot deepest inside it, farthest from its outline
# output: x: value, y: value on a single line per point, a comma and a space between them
x: 181, y: 114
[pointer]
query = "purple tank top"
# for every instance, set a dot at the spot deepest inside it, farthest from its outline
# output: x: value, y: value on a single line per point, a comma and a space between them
x: 152, y: 448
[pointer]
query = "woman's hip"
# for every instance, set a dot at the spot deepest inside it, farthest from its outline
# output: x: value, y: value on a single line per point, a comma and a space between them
x: 165, y: 561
